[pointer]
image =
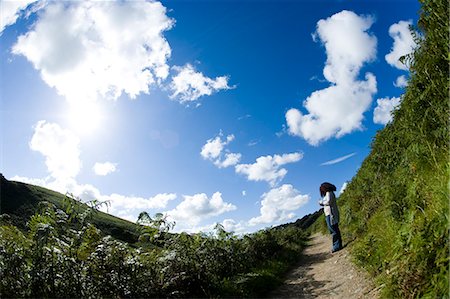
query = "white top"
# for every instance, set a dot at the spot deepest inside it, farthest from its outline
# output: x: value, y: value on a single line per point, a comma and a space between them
x: 330, y: 207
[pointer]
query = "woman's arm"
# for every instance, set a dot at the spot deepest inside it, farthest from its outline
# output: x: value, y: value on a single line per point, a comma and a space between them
x: 326, y: 200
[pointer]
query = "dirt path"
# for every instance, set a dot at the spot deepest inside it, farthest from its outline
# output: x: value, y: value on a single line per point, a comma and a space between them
x: 322, y: 274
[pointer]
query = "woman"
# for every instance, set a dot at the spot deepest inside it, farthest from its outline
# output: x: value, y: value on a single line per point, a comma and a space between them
x: 331, y: 213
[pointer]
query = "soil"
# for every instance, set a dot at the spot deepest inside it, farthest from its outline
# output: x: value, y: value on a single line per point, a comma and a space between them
x: 322, y: 274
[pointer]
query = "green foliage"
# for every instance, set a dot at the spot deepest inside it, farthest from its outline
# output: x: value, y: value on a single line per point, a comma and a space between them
x: 319, y: 225
x: 59, y: 247
x: 63, y: 254
x: 154, y: 230
x: 396, y: 207
x: 21, y: 201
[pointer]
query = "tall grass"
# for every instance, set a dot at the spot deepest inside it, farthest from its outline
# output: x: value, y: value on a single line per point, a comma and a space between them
x: 62, y: 254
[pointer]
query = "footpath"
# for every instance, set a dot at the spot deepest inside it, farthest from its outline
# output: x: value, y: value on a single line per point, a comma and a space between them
x: 321, y: 274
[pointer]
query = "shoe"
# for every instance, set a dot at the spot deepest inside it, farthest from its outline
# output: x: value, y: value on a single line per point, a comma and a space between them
x: 336, y: 250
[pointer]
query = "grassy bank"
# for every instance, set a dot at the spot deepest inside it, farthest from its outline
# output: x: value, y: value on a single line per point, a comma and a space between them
x: 397, y: 206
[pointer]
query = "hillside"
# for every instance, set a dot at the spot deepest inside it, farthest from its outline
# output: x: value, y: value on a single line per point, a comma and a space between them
x: 396, y: 208
x: 20, y: 201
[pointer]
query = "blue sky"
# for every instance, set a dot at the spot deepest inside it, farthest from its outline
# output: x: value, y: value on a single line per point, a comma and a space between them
x: 227, y: 112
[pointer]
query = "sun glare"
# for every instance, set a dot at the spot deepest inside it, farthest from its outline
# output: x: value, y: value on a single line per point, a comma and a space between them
x: 85, y: 117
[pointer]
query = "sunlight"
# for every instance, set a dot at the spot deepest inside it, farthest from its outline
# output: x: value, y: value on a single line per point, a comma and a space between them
x: 85, y: 117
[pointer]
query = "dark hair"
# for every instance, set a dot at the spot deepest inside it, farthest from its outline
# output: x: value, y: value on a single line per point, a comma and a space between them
x: 326, y: 187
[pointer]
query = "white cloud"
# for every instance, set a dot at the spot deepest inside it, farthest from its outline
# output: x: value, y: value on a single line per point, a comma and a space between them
x: 126, y: 207
x: 278, y: 205
x: 61, y: 185
x: 344, y: 186
x: 64, y: 185
x: 403, y: 44
x: 401, y: 81
x: 214, y: 146
x: 32, y: 181
x: 338, y: 109
x: 337, y: 160
x: 213, y: 150
x: 198, y: 207
x: 348, y: 45
x: 188, y: 84
x: 11, y: 10
x: 122, y: 205
x: 383, y: 112
x: 230, y: 160
x: 253, y: 142
x: 231, y: 225
x: 267, y: 168
x: 87, y: 49
x: 104, y: 168
x: 60, y: 148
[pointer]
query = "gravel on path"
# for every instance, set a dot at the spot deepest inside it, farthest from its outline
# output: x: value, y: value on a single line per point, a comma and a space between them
x: 322, y: 274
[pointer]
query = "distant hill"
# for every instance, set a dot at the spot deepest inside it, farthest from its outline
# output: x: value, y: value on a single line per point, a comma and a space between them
x: 20, y: 201
x: 305, y: 222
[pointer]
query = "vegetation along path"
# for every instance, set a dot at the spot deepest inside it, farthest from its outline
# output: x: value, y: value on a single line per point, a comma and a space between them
x: 322, y: 274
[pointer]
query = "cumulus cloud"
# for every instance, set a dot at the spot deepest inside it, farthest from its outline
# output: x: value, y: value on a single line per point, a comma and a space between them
x: 87, y: 49
x: 344, y: 186
x: 188, y: 85
x: 32, y: 181
x: 11, y: 10
x: 126, y: 207
x: 104, y: 168
x: 230, y: 160
x: 403, y: 44
x: 337, y: 160
x: 268, y: 168
x: 231, y: 225
x: 198, y: 207
x: 122, y: 205
x: 383, y: 112
x: 214, y: 146
x: 401, y: 81
x: 60, y: 147
x: 338, y: 109
x: 214, y: 151
x: 278, y: 205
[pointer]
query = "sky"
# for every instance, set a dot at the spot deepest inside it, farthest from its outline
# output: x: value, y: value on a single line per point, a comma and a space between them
x: 229, y: 112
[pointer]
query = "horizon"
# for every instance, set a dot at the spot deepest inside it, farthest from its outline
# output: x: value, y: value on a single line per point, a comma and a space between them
x: 209, y: 112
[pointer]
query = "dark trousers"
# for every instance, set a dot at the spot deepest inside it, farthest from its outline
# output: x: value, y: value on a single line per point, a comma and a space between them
x: 335, y: 234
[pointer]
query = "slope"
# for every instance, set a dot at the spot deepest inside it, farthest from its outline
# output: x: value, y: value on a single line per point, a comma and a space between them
x: 396, y: 207
x: 20, y: 201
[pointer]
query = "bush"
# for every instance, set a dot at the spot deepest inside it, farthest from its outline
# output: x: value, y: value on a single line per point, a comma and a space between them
x: 64, y: 255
